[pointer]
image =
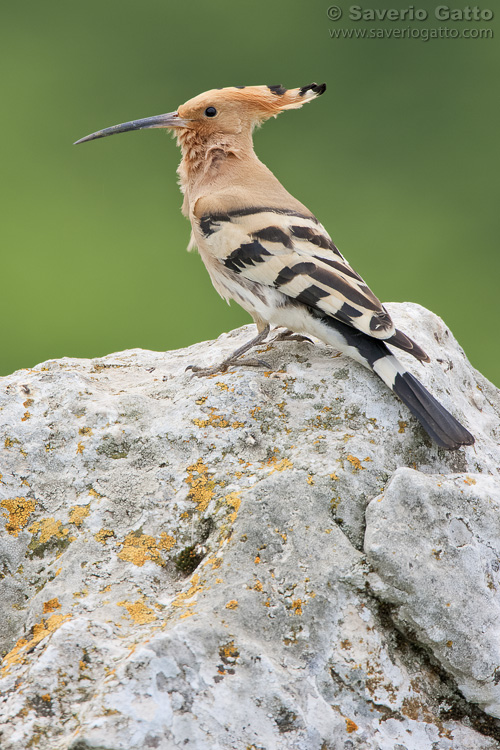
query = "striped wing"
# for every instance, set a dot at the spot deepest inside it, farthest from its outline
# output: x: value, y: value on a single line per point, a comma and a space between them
x: 293, y: 253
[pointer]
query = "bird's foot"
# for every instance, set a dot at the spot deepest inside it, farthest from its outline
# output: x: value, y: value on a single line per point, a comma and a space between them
x: 291, y: 336
x: 233, y: 359
x: 202, y: 372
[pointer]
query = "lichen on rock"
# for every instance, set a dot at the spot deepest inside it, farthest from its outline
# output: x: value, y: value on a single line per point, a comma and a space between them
x: 262, y: 559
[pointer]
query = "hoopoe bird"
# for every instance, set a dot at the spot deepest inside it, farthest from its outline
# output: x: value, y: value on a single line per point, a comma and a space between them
x: 268, y: 252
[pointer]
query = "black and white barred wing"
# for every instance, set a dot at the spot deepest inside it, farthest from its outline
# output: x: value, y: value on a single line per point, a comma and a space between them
x: 294, y: 254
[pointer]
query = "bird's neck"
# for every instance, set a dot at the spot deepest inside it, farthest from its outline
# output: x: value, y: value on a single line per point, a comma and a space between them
x: 208, y: 164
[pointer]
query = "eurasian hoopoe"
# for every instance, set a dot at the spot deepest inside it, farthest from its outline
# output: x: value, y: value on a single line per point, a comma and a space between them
x: 268, y: 252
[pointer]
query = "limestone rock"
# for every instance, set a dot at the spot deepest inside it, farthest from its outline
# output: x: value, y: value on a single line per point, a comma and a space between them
x: 186, y: 562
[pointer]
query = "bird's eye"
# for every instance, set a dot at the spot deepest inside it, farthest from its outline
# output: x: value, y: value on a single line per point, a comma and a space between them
x: 210, y: 111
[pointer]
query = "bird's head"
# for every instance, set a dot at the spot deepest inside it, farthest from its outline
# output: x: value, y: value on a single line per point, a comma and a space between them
x: 229, y: 111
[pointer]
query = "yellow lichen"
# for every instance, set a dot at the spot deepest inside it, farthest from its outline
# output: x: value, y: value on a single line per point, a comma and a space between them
x: 80, y: 447
x: 138, y: 611
x: 48, y: 527
x: 202, y: 487
x: 138, y: 548
x: 213, y: 420
x: 40, y: 631
x: 469, y: 480
x: 18, y: 510
x: 183, y: 599
x: 233, y: 604
x: 297, y: 606
x: 350, y: 726
x: 85, y: 431
x: 103, y: 535
x: 233, y: 499
x: 402, y: 425
x: 94, y: 493
x: 278, y: 465
x: 25, y: 416
x: 356, y: 463
x: 166, y: 541
x: 50, y: 605
x: 78, y: 513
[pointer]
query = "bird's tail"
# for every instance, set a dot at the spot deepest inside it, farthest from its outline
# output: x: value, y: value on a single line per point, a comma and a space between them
x: 439, y: 424
x: 442, y: 427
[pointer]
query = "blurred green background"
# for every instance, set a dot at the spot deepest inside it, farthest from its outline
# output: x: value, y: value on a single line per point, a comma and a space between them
x: 399, y: 160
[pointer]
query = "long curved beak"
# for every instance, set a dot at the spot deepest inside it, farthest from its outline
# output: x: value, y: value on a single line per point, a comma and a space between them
x: 170, y: 120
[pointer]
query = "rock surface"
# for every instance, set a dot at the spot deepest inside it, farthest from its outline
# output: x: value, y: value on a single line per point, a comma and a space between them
x: 254, y: 560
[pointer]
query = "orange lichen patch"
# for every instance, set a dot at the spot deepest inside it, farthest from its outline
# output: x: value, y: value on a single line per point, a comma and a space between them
x: 402, y: 425
x: 233, y: 500
x: 254, y: 411
x: 18, y: 510
x: 469, y: 480
x: 166, y: 541
x: 103, y: 535
x: 222, y: 386
x: 257, y: 559
x: 333, y: 476
x: 297, y: 606
x: 25, y: 416
x: 139, y: 612
x: 277, y: 464
x: 213, y: 420
x: 48, y: 527
x: 80, y: 447
x: 94, y: 493
x: 51, y: 605
x: 40, y: 631
x: 202, y: 487
x: 81, y: 594
x: 46, y: 697
x: 183, y: 599
x: 235, y: 425
x: 350, y: 726
x: 356, y: 463
x: 310, y: 479
x: 10, y: 442
x: 29, y: 402
x: 85, y: 431
x: 229, y: 654
x: 257, y: 585
x: 201, y: 400
x: 78, y: 513
x: 138, y: 548
x: 233, y: 604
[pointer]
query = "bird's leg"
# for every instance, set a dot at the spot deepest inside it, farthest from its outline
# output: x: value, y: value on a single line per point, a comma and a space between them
x: 231, y: 361
x: 287, y: 335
